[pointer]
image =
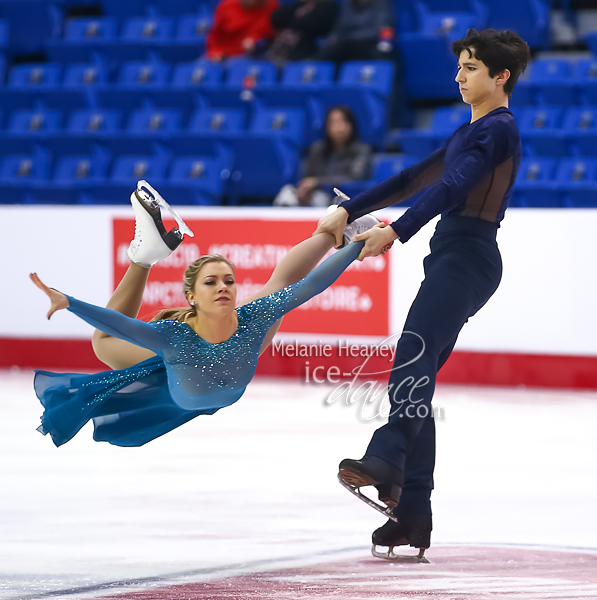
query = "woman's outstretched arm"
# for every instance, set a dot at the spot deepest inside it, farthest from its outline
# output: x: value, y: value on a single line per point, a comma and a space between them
x: 110, y: 321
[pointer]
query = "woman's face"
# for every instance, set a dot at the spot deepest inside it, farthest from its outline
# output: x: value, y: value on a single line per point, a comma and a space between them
x: 215, y: 289
x: 339, y: 128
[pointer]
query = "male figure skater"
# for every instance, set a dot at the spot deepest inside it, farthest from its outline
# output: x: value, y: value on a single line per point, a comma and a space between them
x: 469, y: 181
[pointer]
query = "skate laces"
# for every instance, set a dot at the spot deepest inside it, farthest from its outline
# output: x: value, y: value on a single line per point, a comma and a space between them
x: 182, y: 226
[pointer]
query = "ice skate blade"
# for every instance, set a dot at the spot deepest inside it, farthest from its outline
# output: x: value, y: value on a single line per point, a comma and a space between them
x: 143, y: 186
x: 341, y: 195
x: 402, y: 558
x: 384, y: 510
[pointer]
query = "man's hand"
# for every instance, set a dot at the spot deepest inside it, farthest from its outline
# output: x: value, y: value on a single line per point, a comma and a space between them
x: 378, y: 240
x: 334, y: 223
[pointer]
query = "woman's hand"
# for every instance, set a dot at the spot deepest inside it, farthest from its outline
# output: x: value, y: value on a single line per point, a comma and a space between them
x: 334, y: 223
x: 378, y: 240
x: 59, y: 300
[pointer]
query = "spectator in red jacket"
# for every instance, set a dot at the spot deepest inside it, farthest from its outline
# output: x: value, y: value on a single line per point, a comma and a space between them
x: 240, y: 27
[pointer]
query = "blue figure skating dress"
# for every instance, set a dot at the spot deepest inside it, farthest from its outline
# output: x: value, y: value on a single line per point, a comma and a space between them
x: 187, y: 377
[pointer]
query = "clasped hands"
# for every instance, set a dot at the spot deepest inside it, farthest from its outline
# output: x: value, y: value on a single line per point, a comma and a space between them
x: 378, y: 240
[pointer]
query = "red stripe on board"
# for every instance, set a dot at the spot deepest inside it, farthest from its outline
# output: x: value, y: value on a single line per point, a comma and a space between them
x: 478, y: 368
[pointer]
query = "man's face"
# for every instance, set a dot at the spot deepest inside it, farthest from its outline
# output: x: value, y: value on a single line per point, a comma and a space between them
x: 474, y: 81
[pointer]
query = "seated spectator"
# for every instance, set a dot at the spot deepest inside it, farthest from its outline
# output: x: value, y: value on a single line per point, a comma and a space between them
x: 363, y: 31
x: 338, y: 157
x: 299, y: 24
x: 240, y: 27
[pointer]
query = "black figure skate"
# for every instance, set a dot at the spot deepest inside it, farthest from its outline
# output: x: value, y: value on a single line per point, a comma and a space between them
x: 370, y: 470
x: 413, y: 530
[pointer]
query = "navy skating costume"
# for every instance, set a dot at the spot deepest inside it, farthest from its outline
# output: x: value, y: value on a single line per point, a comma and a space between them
x: 468, y: 181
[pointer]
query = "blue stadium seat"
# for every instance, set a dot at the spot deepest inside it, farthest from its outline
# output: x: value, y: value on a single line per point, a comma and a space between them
x: 551, y: 79
x: 155, y: 122
x: 300, y: 88
x: 581, y: 125
x: 81, y: 170
x: 541, y: 130
x: 376, y: 76
x: 577, y: 181
x: 536, y: 184
x: 193, y: 28
x: 94, y: 122
x: 85, y: 75
x: 39, y: 75
x: 422, y: 142
x: 436, y: 80
x: 95, y: 31
x: 204, y: 175
x: 199, y: 74
x: 450, y: 21
x: 308, y: 75
x: 524, y: 92
x: 218, y: 122
x: 138, y: 74
x: 262, y: 165
x: 366, y: 88
x: 284, y: 123
x: 584, y: 76
x: 2, y: 68
x: 128, y: 169
x: 25, y: 169
x: 251, y: 73
x: 35, y: 122
x: 267, y: 157
x: 147, y: 30
x: 529, y: 18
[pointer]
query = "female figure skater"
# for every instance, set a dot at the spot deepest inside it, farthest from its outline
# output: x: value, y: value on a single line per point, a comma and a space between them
x: 190, y: 361
x: 469, y: 181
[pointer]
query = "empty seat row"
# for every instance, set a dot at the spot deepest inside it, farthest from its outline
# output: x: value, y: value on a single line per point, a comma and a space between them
x: 282, y: 123
x: 237, y: 74
x: 104, y: 30
x: 96, y: 178
x: 545, y: 130
x: 364, y: 86
x: 558, y: 82
x: 547, y: 182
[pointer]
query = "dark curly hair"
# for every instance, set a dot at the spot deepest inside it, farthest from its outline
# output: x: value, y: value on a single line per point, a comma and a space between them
x: 497, y: 50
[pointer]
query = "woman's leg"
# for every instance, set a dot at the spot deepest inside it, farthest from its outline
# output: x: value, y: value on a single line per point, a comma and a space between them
x: 126, y: 299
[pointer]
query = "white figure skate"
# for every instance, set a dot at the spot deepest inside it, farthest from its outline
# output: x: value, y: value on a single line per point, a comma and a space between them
x: 152, y: 242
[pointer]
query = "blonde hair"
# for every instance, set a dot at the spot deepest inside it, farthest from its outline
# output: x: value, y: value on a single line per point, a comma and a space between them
x: 188, y: 285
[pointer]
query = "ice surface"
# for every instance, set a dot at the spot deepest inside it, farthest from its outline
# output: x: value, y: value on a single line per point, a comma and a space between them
x: 230, y: 493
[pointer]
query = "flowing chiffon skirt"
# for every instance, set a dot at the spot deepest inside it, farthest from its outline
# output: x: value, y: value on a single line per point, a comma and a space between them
x: 129, y: 407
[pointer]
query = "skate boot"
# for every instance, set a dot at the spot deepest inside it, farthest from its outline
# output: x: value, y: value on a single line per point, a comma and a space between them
x: 152, y: 242
x: 357, y: 227
x: 370, y: 470
x: 413, y: 530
